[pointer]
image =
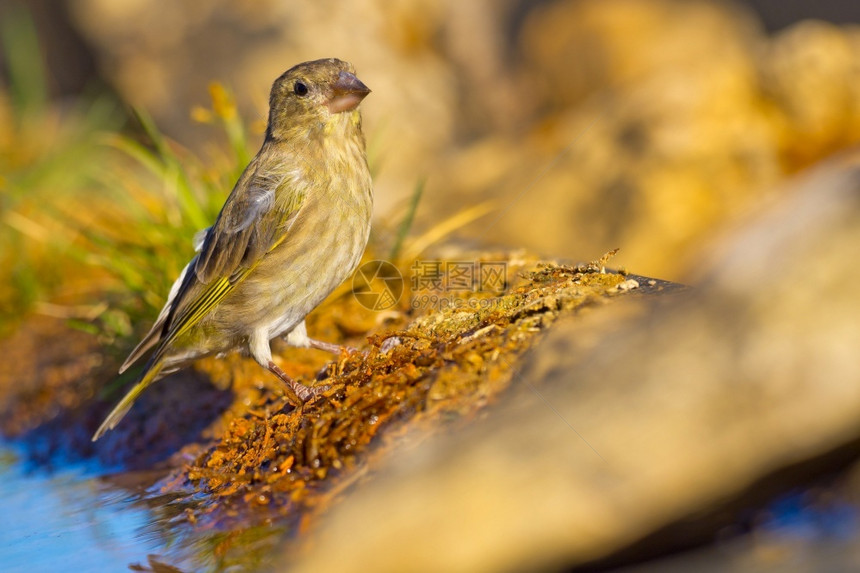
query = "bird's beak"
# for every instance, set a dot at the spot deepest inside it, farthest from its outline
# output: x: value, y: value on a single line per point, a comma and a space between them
x: 347, y: 93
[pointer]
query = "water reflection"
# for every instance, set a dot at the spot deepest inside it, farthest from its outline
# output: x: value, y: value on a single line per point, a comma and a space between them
x: 77, y: 520
x: 67, y: 521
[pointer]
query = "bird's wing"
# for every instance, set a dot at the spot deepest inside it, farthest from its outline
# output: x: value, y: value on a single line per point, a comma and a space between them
x: 255, y: 219
x: 250, y: 223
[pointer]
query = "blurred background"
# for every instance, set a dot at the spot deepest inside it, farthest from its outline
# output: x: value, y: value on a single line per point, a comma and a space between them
x: 590, y: 125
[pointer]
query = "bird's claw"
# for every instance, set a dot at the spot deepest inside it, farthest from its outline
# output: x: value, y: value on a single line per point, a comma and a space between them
x: 296, y: 389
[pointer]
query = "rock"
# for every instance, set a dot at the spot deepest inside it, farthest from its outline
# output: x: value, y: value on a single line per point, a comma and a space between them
x: 658, y: 122
x: 667, y: 419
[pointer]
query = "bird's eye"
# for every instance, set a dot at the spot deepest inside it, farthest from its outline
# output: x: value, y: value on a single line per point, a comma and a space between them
x: 300, y: 89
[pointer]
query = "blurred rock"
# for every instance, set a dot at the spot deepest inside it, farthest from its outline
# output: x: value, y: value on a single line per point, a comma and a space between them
x: 660, y: 121
x: 671, y: 419
x: 574, y: 49
x: 812, y: 74
x: 653, y: 170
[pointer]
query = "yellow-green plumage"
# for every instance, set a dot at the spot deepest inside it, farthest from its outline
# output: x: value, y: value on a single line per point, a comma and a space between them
x: 293, y: 228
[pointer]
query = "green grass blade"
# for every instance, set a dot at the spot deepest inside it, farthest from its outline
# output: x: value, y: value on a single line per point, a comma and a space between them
x: 408, y: 219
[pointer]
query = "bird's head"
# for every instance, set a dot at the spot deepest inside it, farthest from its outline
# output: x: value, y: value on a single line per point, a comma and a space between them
x: 311, y: 95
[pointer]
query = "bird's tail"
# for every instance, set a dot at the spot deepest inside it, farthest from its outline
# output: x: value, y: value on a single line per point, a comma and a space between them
x: 121, y: 409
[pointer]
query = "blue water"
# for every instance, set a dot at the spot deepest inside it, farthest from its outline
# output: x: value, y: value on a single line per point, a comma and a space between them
x: 67, y: 521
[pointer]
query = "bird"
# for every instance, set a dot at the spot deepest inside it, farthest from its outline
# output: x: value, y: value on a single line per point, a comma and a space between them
x: 293, y: 228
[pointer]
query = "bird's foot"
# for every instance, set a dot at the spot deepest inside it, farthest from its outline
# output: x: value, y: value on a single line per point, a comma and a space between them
x: 300, y: 391
x: 335, y: 367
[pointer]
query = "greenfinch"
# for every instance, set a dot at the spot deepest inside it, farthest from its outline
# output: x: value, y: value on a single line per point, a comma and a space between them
x: 293, y: 228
